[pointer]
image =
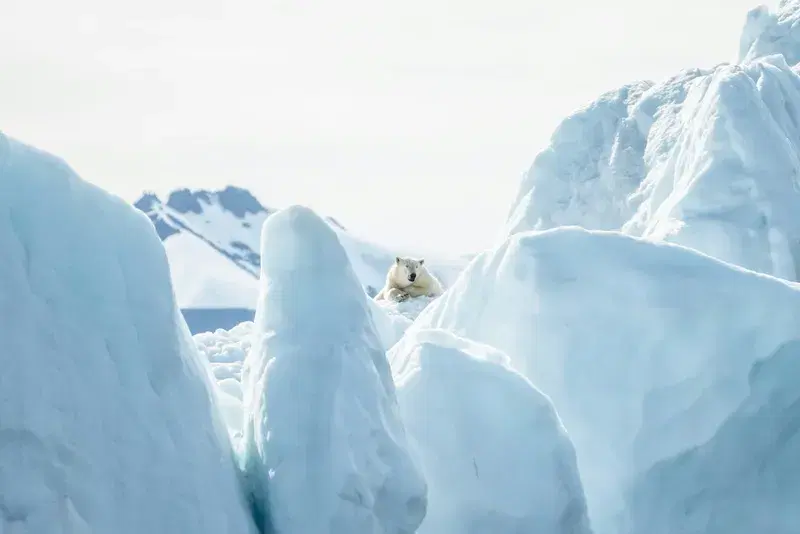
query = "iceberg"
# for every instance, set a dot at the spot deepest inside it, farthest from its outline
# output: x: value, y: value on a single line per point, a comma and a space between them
x: 494, y: 452
x: 708, y: 159
x: 744, y: 479
x: 108, y: 420
x: 768, y: 33
x: 644, y: 348
x: 324, y: 448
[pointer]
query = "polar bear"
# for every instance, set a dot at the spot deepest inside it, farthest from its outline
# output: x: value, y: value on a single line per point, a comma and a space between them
x: 406, y: 278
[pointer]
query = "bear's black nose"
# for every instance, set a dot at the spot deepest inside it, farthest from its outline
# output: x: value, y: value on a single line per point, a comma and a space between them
x: 412, y: 276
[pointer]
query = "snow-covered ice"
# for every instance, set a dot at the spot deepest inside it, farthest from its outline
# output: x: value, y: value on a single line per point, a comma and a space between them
x: 708, y: 158
x: 226, y: 351
x: 324, y: 447
x: 410, y: 308
x: 644, y: 348
x: 593, y: 162
x: 390, y: 323
x: 392, y: 319
x: 767, y: 33
x: 745, y: 479
x: 107, y: 417
x: 493, y: 450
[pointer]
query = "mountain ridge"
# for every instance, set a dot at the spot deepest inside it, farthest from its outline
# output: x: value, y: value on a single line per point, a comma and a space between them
x: 213, y: 242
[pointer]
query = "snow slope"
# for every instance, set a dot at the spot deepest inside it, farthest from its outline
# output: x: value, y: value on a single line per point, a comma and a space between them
x: 707, y: 158
x: 324, y: 448
x: 644, y: 348
x: 221, y: 284
x: 496, y: 457
x: 107, y: 422
x: 743, y: 480
x: 212, y: 240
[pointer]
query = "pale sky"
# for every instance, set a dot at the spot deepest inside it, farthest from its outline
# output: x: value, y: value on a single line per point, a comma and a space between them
x: 410, y: 122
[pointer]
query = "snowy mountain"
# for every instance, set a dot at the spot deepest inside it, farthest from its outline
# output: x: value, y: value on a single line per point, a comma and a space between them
x: 212, y: 242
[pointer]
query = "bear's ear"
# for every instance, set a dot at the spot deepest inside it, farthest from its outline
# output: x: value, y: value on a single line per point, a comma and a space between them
x: 397, y: 259
x: 422, y: 261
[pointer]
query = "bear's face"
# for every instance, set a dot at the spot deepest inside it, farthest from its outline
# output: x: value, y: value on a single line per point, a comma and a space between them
x: 407, y: 269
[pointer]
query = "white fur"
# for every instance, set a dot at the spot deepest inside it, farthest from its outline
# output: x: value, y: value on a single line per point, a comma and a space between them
x: 399, y: 287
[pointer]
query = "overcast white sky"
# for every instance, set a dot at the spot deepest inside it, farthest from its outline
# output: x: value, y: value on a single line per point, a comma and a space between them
x: 411, y: 122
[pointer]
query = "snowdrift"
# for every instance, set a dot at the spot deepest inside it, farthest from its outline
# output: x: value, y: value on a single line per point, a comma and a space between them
x: 744, y: 479
x: 324, y: 448
x: 107, y: 421
x: 644, y: 348
x: 494, y: 453
x: 707, y: 159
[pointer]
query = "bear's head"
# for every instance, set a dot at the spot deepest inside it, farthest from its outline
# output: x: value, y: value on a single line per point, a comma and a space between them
x: 406, y: 270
